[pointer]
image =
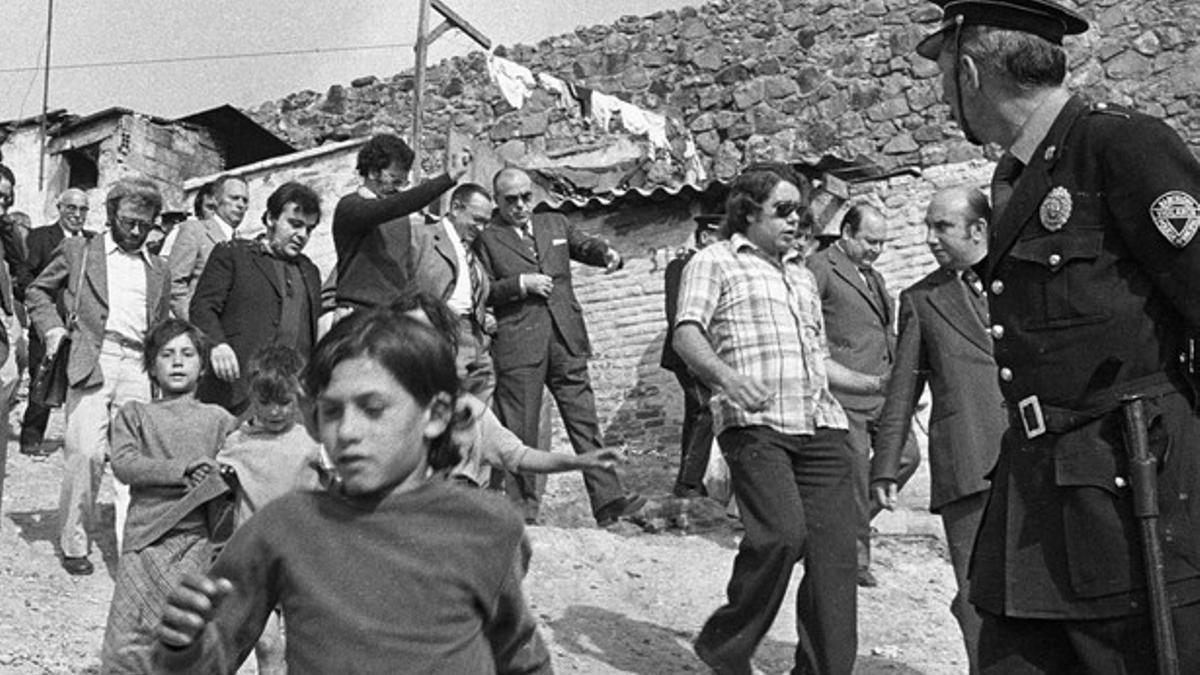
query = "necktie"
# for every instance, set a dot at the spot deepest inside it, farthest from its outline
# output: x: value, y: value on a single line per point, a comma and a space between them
x: 876, y: 292
x: 474, y: 274
x: 1008, y: 170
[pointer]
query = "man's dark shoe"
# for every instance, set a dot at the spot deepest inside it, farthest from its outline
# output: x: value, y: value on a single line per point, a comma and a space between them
x: 77, y: 566
x: 621, y: 507
x: 688, y: 491
x: 866, y: 579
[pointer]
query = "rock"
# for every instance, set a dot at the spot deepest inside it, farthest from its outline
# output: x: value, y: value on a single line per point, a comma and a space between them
x: 728, y: 161
x: 635, y: 78
x: 1128, y: 65
x: 1147, y: 44
x: 766, y: 119
x: 768, y: 66
x: 874, y: 8
x: 748, y: 94
x: 703, y: 122
x: 808, y: 79
x: 711, y: 97
x: 364, y: 81
x: 335, y: 100
x: 901, y: 144
x: 779, y: 86
x: 708, y: 142
x: 710, y: 58
x: 694, y: 29
x: 727, y: 118
x: 733, y: 74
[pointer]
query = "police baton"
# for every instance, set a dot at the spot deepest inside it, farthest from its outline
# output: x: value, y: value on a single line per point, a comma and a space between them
x: 1143, y: 477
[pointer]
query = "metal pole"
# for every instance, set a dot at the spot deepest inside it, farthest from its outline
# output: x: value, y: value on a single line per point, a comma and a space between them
x: 45, y: 98
x: 422, y: 47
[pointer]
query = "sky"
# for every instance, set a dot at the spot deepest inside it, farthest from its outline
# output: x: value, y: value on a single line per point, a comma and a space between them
x: 200, y: 46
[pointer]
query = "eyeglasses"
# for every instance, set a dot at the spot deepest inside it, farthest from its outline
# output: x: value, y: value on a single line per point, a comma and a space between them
x: 512, y: 200
x: 134, y: 223
x: 785, y: 209
x: 481, y: 220
x: 71, y: 208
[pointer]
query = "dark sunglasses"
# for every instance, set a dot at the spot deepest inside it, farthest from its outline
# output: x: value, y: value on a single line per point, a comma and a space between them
x: 785, y: 209
x: 512, y: 200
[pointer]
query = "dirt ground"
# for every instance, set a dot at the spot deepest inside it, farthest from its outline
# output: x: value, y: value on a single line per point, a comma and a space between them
x: 623, y: 600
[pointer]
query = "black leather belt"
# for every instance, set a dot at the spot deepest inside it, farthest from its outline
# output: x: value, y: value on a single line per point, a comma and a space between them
x: 1035, y: 418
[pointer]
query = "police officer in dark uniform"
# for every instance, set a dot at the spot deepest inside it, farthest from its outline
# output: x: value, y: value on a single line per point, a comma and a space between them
x: 1093, y: 276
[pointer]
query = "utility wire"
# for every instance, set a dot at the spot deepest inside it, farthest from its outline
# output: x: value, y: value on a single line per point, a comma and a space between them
x: 212, y: 57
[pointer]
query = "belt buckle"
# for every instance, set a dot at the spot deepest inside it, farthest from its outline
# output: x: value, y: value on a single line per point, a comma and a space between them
x: 1032, y: 419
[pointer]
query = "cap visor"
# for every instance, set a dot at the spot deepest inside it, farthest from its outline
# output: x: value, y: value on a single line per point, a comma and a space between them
x: 931, y: 46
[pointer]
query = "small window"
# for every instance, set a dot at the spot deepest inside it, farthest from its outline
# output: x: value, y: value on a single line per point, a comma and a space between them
x: 82, y: 166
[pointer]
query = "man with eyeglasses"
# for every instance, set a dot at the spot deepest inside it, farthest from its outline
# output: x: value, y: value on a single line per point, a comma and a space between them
x: 72, y: 215
x: 116, y: 291
x: 541, y: 339
x: 444, y: 265
x: 196, y: 238
x: 372, y: 234
x: 859, y: 318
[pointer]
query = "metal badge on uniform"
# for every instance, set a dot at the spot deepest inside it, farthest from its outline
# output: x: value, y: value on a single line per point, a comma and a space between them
x: 1177, y: 215
x: 1056, y: 209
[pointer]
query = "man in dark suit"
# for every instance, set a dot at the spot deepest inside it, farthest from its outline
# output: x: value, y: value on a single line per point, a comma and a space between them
x: 40, y: 245
x: 444, y: 265
x: 944, y: 341
x: 118, y: 291
x: 1092, y: 274
x: 258, y: 293
x: 540, y: 335
x: 696, y: 436
x: 859, y: 315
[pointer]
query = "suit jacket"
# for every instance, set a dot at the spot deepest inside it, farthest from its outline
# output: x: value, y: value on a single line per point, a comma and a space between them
x: 525, y: 323
x: 193, y: 245
x: 239, y: 302
x: 40, y: 245
x: 62, y: 275
x: 435, y: 268
x: 671, y: 279
x: 943, y: 342
x: 857, y: 326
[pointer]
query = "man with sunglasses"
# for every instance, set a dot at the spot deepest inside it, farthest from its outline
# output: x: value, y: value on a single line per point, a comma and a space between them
x: 859, y: 320
x: 115, y: 291
x: 444, y: 265
x: 541, y: 339
x: 1092, y: 275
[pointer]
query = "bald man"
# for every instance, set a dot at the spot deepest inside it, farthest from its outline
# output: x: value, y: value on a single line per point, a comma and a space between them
x: 944, y: 342
x: 540, y: 335
x: 859, y: 318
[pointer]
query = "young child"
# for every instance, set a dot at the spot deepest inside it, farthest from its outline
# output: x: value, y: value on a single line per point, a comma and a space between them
x: 483, y: 442
x: 393, y: 571
x: 272, y: 455
x: 160, y: 449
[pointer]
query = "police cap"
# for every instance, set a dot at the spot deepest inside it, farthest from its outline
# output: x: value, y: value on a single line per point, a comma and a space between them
x: 1038, y: 17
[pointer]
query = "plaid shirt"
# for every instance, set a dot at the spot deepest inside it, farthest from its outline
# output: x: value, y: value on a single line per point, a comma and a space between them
x: 764, y: 321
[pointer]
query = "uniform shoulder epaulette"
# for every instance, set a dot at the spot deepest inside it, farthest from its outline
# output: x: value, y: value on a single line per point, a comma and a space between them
x: 1104, y: 108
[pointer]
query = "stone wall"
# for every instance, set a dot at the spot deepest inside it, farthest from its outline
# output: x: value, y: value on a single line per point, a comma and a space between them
x: 755, y: 78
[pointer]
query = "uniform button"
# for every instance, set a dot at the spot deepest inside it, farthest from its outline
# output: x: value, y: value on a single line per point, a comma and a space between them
x: 1101, y: 106
x: 997, y: 331
x: 1055, y: 259
x: 997, y: 287
x: 1006, y: 374
x: 1120, y: 482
